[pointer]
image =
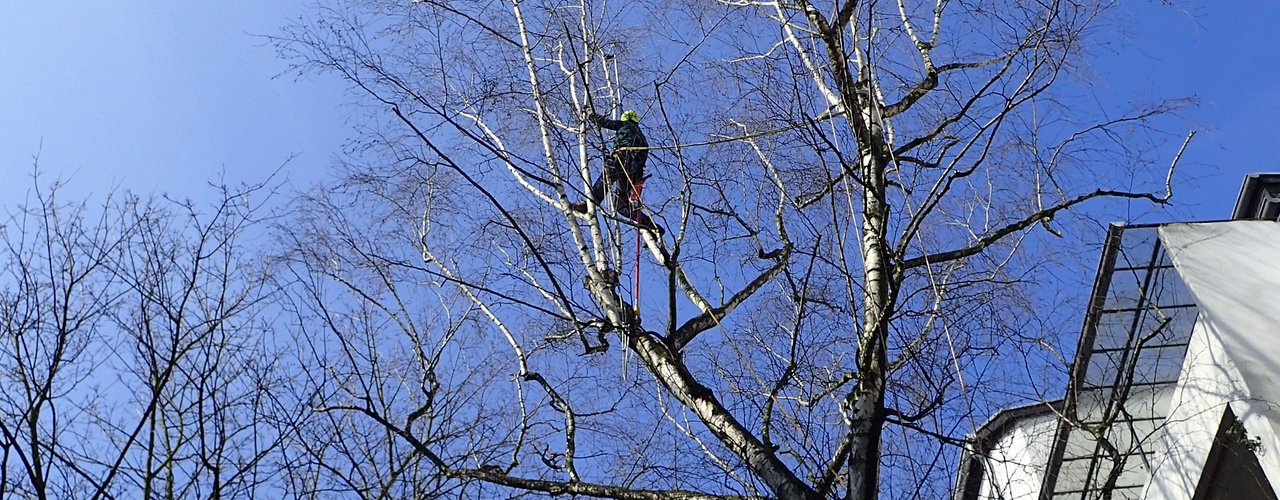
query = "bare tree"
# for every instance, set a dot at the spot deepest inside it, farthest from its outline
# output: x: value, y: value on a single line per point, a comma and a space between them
x: 135, y: 361
x: 855, y: 196
x: 375, y: 335
x: 57, y: 259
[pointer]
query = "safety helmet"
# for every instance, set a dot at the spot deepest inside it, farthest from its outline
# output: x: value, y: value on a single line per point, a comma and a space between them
x: 630, y: 116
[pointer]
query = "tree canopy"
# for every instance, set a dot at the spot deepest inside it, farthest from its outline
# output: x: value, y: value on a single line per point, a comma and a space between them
x: 862, y: 200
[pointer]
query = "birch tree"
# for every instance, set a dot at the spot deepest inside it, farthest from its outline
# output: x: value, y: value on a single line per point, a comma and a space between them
x: 856, y: 198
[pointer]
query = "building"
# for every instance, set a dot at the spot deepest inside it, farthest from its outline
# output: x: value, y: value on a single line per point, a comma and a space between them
x: 1175, y: 388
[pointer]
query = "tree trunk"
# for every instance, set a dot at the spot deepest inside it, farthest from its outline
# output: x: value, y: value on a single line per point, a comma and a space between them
x: 867, y: 400
x: 762, y: 460
x: 865, y: 427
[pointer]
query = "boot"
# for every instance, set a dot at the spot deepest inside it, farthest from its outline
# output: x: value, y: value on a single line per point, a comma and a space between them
x: 644, y: 222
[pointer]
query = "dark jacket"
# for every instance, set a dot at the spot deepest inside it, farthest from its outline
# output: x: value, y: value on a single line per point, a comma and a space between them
x: 626, y: 134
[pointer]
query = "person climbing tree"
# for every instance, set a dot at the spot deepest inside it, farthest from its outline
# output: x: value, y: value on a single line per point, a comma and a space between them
x: 623, y: 170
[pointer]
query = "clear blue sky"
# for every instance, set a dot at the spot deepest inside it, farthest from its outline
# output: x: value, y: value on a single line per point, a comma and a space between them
x: 157, y: 97
x: 1222, y: 53
x: 162, y: 96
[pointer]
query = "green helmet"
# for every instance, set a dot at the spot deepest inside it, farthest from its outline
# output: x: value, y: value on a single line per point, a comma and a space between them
x: 630, y: 116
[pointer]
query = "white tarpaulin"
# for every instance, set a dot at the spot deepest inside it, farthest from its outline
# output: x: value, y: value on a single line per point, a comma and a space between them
x: 1233, y: 272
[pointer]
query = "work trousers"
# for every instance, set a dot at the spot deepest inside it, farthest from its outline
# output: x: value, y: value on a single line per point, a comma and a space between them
x: 622, y: 171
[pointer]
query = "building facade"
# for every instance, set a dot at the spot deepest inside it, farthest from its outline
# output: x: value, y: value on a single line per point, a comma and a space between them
x: 1175, y: 388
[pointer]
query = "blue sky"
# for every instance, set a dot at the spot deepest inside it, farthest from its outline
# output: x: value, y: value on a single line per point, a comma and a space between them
x: 157, y: 96
x: 163, y: 96
x: 1222, y: 53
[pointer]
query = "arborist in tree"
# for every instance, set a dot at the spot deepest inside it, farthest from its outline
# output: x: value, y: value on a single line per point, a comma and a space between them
x: 623, y: 169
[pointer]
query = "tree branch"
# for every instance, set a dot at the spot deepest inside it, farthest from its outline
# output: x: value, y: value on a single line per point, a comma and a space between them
x: 1028, y: 221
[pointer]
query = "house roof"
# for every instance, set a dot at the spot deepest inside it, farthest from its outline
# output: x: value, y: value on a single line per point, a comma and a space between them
x: 972, y: 470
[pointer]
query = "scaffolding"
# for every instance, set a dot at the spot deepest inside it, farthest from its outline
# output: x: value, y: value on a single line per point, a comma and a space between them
x: 1131, y: 349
